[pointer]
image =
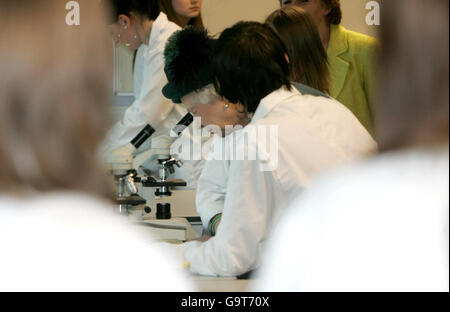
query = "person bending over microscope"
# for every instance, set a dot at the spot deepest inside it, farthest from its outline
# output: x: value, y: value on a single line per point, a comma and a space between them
x: 245, y: 74
x: 143, y: 26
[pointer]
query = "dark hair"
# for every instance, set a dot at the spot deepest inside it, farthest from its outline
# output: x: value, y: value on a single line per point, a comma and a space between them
x: 166, y: 7
x: 335, y: 15
x: 144, y: 8
x: 307, y: 56
x: 249, y: 63
x: 413, y: 105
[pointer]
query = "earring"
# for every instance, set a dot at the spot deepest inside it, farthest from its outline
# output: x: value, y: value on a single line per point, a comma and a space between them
x: 226, y: 106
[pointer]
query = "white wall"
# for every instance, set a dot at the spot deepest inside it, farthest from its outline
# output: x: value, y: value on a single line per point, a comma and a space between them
x: 354, y: 17
x: 220, y: 14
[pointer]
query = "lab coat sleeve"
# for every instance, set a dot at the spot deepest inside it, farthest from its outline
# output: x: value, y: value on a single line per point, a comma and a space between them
x: 245, y: 220
x: 211, y: 189
x: 150, y: 107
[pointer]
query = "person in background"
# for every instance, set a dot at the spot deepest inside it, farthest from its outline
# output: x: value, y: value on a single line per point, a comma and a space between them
x: 188, y: 61
x: 58, y: 231
x: 180, y: 12
x: 399, y: 239
x: 141, y: 25
x: 351, y: 58
x: 250, y: 72
x: 307, y: 56
x: 183, y: 12
x: 189, y: 55
x: 308, y: 70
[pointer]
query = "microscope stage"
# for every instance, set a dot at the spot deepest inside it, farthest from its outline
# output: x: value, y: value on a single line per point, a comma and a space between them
x: 175, y: 229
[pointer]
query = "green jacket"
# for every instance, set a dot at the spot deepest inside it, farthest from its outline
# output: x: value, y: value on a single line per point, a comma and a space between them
x: 352, y: 59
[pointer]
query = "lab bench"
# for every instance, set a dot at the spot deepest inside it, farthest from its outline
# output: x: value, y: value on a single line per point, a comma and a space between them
x: 221, y: 284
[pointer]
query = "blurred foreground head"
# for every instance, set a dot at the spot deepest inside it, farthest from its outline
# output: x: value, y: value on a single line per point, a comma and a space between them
x: 413, y: 108
x: 54, y: 94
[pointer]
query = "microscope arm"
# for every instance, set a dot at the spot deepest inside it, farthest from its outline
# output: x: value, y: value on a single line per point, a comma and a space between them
x: 161, y: 145
x: 122, y: 159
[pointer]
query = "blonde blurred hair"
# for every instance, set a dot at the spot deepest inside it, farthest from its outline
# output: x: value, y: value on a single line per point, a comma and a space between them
x: 54, y: 97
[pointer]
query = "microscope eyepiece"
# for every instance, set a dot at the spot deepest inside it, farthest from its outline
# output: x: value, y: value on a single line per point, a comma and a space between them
x: 143, y: 136
x: 183, y: 124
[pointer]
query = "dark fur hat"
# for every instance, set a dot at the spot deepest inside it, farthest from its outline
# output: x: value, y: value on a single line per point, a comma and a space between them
x: 188, y: 56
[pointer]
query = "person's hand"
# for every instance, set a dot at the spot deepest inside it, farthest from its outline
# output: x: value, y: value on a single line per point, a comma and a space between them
x: 174, y: 251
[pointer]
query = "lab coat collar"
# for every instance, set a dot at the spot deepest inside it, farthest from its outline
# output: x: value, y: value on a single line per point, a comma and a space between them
x: 158, y: 27
x: 268, y: 103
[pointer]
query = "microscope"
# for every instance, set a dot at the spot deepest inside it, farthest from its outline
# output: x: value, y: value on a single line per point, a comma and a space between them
x: 124, y: 167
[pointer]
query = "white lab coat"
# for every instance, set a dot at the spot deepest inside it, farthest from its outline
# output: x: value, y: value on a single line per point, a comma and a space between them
x: 74, y: 242
x: 382, y: 226
x: 314, y: 135
x: 212, y: 184
x: 151, y: 107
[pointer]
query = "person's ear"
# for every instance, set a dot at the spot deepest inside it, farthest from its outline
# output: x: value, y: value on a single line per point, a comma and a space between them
x: 124, y: 21
x: 240, y: 108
